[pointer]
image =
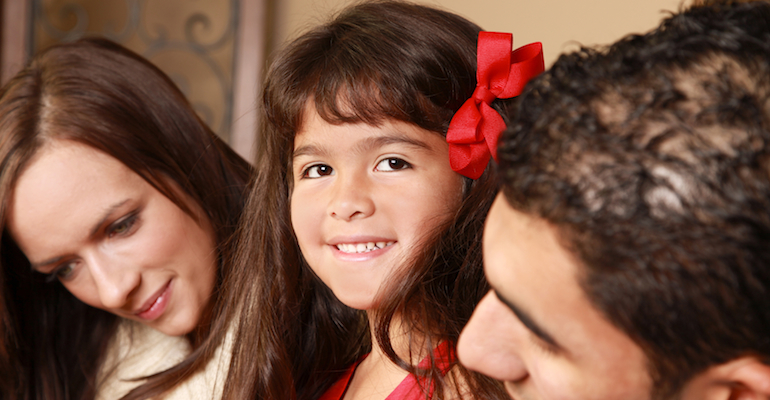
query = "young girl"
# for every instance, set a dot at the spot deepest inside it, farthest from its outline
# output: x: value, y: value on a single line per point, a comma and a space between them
x: 360, y: 254
x: 117, y: 204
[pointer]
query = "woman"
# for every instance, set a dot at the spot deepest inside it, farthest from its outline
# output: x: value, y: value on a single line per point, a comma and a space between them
x: 117, y: 205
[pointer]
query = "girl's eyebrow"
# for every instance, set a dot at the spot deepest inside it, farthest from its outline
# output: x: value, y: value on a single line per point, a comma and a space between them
x: 308, y: 150
x: 384, y: 140
x: 364, y: 145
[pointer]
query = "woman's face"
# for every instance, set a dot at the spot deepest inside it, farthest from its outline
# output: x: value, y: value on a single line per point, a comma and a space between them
x: 112, y: 239
x: 364, y: 199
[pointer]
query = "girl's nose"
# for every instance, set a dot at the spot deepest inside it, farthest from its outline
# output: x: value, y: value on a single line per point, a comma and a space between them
x: 351, y: 199
x: 114, y: 282
x: 488, y: 344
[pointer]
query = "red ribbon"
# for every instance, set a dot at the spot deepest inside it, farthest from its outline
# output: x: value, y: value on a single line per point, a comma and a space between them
x: 476, y: 126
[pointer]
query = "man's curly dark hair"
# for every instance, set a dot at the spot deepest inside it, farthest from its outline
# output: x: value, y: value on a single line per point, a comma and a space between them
x: 652, y: 157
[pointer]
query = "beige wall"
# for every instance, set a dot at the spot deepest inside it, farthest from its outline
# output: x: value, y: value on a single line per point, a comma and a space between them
x: 559, y: 24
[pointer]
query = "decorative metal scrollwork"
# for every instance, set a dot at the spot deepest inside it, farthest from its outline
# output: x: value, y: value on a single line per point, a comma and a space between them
x: 193, y: 42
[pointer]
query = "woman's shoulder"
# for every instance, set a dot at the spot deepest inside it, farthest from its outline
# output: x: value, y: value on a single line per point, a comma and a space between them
x: 137, y: 351
x: 209, y: 382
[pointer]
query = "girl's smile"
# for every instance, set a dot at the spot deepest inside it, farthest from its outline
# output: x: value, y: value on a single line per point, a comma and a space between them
x: 368, y: 247
x: 365, y: 197
x: 362, y: 250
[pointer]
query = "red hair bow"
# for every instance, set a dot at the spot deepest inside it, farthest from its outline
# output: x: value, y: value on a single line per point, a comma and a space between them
x: 476, y: 126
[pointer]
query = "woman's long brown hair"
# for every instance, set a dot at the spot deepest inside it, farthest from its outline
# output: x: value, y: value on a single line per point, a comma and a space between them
x: 375, y: 61
x: 102, y: 95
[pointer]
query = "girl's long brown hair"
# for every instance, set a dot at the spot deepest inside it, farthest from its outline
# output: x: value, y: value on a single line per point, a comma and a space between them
x: 100, y: 94
x: 375, y: 61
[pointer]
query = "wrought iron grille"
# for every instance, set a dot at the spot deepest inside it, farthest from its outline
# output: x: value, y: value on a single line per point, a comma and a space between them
x: 191, y: 41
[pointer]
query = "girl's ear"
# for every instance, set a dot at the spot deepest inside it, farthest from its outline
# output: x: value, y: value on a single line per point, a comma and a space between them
x: 744, y: 378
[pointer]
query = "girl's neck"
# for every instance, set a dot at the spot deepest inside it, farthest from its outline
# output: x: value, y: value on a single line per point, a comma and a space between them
x: 406, y: 345
x: 377, y: 376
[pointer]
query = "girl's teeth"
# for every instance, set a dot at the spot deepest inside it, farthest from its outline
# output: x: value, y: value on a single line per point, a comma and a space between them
x: 362, y: 247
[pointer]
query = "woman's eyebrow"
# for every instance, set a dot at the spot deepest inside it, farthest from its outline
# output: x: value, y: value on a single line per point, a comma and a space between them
x: 93, y: 232
x: 35, y: 266
x: 106, y: 215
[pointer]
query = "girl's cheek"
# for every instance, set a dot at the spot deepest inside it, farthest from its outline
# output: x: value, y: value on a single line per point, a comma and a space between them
x: 454, y: 193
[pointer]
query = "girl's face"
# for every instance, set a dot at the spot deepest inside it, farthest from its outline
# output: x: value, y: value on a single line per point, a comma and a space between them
x: 365, y: 197
x: 112, y: 239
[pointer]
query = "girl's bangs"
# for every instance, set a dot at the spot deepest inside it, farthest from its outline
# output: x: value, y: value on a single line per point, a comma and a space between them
x: 372, y: 94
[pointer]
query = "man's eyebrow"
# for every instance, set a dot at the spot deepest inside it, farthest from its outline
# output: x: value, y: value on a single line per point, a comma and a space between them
x: 528, y: 322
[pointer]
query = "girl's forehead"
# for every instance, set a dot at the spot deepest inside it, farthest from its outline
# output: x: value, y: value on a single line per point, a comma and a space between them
x: 356, y: 103
x: 319, y: 137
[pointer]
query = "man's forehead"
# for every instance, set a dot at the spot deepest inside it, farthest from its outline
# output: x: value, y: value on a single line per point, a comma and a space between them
x: 524, y: 261
x: 518, y: 244
x: 529, y: 268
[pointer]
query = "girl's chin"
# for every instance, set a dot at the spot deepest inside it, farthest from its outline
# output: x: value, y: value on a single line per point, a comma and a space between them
x: 363, y: 302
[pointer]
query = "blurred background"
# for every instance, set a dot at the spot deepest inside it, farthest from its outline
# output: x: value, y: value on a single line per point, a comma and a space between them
x: 217, y: 50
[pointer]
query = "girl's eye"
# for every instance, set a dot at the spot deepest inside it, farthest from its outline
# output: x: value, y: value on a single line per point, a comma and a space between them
x: 317, y: 171
x: 392, y: 164
x: 123, y: 226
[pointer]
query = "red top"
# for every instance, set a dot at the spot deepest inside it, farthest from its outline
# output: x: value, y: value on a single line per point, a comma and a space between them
x: 409, y: 388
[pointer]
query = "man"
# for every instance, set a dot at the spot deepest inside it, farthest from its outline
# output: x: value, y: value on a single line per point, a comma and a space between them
x: 629, y: 250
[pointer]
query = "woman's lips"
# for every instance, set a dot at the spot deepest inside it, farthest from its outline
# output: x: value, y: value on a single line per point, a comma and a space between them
x: 155, y: 305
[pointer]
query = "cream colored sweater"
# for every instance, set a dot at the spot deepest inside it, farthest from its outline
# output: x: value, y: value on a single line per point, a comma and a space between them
x: 137, y: 351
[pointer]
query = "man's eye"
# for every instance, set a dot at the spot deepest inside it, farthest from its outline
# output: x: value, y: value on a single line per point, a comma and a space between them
x: 317, y: 171
x: 392, y: 164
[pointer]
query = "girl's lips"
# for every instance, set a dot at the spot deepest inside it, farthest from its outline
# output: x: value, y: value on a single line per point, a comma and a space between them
x: 156, y: 304
x: 374, y: 252
x: 362, y: 247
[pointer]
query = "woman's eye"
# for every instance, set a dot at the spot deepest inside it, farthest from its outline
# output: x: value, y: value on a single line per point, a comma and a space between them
x: 123, y: 226
x: 317, y: 171
x: 62, y: 272
x: 392, y: 164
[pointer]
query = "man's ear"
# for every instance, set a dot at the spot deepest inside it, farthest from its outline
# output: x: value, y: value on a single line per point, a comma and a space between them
x: 745, y: 378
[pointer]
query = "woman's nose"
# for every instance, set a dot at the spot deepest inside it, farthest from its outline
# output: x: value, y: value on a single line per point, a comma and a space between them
x: 114, y: 281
